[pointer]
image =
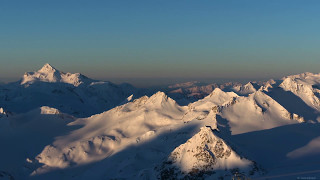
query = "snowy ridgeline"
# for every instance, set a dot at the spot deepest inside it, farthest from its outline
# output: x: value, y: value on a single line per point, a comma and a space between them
x: 56, y: 125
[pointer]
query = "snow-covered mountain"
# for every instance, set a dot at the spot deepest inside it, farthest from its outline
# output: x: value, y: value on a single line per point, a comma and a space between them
x: 74, y: 94
x: 205, y: 155
x: 56, y: 125
x: 184, y: 93
x: 305, y: 86
x: 50, y: 74
x: 244, y: 89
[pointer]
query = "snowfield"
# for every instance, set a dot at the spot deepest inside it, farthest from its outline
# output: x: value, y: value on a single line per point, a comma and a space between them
x: 56, y: 125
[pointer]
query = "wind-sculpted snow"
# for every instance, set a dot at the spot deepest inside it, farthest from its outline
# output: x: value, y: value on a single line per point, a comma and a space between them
x: 118, y: 132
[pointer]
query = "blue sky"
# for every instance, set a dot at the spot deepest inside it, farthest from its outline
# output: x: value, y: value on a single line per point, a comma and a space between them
x: 161, y: 39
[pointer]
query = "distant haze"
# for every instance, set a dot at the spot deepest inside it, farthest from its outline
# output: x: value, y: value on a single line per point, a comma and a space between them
x: 158, y: 42
x: 159, y: 82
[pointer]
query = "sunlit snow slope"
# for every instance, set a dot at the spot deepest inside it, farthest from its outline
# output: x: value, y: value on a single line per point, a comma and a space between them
x: 56, y: 125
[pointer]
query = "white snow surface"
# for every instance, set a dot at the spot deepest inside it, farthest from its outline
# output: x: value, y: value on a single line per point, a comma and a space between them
x: 205, y: 151
x: 304, y: 86
x: 56, y: 125
x: 49, y: 74
x: 74, y: 94
x: 258, y: 111
x: 244, y: 89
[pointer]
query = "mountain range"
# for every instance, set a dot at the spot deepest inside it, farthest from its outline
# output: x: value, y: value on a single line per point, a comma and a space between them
x: 56, y: 125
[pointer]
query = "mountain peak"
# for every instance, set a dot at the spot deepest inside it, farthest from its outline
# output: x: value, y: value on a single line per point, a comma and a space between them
x: 206, y: 152
x: 159, y: 94
x: 47, y: 68
x: 46, y: 74
x: 50, y: 74
x: 158, y: 97
x: 216, y: 90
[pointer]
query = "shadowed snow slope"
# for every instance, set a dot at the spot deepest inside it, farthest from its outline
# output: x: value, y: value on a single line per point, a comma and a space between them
x: 113, y: 132
x: 311, y: 149
x: 256, y: 112
x: 285, y: 149
x: 23, y: 136
x: 305, y: 86
x: 107, y: 133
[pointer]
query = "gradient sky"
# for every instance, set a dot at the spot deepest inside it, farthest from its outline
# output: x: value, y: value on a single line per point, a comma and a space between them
x: 161, y: 38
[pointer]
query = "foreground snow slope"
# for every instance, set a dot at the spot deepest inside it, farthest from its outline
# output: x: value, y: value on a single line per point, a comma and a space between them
x: 282, y: 150
x: 146, y: 121
x: 107, y: 133
x: 106, y: 137
x: 23, y: 136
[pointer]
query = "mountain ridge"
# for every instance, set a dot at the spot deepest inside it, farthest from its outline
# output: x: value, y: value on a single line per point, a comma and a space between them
x: 50, y: 74
x: 125, y: 132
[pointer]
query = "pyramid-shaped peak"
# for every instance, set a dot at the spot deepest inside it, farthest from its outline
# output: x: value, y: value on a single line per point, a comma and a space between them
x: 159, y: 94
x: 47, y: 68
x: 220, y: 92
x: 217, y: 90
x: 206, y: 152
x: 249, y: 84
x: 160, y: 97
